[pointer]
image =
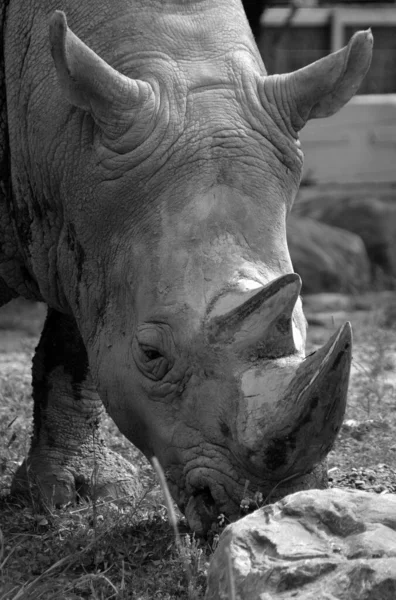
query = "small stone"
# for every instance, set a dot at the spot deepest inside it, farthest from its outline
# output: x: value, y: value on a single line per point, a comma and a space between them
x: 359, y: 483
x: 379, y: 488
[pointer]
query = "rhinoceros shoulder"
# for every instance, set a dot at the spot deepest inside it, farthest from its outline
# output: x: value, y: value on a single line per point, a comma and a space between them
x: 12, y: 270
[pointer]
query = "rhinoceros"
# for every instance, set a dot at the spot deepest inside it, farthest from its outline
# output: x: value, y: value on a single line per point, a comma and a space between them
x: 148, y: 164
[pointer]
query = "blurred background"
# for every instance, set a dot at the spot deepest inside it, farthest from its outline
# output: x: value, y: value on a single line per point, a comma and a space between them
x: 342, y: 231
x: 290, y: 35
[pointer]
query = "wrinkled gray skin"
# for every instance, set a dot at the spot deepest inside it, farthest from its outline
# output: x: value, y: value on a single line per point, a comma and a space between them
x: 146, y: 205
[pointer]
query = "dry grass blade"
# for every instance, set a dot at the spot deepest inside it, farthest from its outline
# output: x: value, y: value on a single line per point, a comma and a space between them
x: 1, y: 546
x: 230, y: 577
x: 167, y: 496
x: 172, y: 518
x: 3, y: 563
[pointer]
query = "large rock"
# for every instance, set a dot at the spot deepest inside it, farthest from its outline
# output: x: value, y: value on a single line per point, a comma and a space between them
x: 374, y: 220
x: 314, y: 545
x: 328, y: 259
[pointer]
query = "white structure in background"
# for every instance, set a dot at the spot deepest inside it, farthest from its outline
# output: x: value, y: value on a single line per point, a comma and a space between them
x: 358, y: 144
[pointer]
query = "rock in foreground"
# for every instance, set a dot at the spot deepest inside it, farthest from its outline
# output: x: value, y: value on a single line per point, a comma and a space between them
x: 313, y: 545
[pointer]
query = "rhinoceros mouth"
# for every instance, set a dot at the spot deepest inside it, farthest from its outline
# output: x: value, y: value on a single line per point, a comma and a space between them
x: 210, y: 495
x: 201, y: 511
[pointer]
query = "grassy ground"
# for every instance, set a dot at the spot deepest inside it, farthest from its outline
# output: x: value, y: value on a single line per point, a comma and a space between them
x: 103, y: 551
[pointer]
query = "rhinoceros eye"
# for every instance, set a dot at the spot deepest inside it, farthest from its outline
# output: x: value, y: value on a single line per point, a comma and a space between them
x: 152, y: 351
x: 151, y: 354
x: 152, y: 362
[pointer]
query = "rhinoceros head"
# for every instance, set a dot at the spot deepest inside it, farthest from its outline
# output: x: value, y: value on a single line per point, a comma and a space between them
x: 183, y: 287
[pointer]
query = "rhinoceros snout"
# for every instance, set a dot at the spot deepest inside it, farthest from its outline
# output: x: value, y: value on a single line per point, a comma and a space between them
x: 290, y: 407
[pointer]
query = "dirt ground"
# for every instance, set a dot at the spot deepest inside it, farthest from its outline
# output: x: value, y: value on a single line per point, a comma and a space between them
x: 108, y: 552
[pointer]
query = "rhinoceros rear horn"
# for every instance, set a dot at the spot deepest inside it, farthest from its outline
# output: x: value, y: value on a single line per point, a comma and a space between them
x: 323, y: 87
x: 90, y: 83
x: 263, y: 323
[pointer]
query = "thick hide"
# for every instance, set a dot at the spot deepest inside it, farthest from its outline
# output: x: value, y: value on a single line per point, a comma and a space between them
x: 152, y: 166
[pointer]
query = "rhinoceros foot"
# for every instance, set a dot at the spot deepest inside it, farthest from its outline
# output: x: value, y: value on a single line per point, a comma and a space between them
x: 68, y: 459
x: 57, y: 480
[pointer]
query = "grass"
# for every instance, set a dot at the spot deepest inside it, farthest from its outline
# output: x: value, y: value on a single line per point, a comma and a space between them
x: 99, y: 551
x: 370, y: 439
x: 124, y: 555
x: 103, y: 551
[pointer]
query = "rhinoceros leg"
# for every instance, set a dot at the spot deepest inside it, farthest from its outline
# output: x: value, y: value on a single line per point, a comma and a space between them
x: 68, y: 458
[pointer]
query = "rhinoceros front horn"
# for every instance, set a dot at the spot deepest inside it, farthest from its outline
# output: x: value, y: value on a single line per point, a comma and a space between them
x: 292, y: 406
x: 311, y: 411
x: 301, y: 408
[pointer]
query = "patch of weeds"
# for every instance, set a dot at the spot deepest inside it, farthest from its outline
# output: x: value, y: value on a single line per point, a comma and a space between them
x: 369, y: 431
x: 99, y: 550
x: 375, y: 364
x: 15, y: 413
x: 122, y: 553
x: 189, y: 550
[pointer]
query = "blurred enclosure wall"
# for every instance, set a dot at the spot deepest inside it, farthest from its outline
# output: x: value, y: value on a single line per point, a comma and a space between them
x: 290, y: 39
x: 358, y: 145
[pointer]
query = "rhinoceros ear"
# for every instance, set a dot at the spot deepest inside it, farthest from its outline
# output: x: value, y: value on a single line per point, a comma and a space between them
x: 90, y: 83
x: 323, y: 87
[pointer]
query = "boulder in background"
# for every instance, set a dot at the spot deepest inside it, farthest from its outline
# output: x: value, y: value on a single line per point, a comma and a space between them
x: 328, y: 259
x: 373, y: 219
